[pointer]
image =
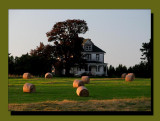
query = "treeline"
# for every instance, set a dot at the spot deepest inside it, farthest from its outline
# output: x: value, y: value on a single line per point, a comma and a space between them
x: 42, y: 59
x: 39, y: 65
x: 140, y: 70
x: 36, y: 65
x: 37, y: 62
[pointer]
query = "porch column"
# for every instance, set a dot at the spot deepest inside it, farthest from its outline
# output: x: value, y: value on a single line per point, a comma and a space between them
x: 106, y: 70
x: 88, y: 67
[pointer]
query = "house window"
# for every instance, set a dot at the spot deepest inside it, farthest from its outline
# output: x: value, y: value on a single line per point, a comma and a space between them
x: 97, y: 57
x: 88, y: 48
x: 88, y: 56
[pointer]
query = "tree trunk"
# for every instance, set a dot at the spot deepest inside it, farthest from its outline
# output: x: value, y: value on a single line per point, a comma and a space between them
x: 58, y: 72
x: 67, y: 72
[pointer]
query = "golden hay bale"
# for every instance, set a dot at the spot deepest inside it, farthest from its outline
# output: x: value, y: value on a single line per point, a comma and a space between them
x: 129, y: 77
x: 28, y: 87
x: 48, y: 75
x: 78, y: 83
x: 85, y: 79
x: 132, y: 74
x: 123, y: 75
x: 82, y: 91
x: 26, y: 76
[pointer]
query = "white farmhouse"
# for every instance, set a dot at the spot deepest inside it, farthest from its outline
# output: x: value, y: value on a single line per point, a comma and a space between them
x: 95, y: 60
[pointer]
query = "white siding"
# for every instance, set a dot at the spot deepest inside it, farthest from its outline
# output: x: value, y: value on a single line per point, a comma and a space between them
x: 93, y: 57
x: 95, y: 68
x: 101, y: 57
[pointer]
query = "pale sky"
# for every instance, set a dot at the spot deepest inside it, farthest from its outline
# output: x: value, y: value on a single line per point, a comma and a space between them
x: 120, y: 33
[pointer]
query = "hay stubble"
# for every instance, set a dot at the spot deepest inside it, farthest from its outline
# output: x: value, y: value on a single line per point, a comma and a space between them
x: 137, y: 104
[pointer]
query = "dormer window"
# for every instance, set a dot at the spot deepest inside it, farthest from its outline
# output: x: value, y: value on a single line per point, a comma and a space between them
x: 88, y: 47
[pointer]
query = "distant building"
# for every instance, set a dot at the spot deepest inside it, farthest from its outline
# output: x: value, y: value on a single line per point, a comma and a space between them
x: 95, y: 60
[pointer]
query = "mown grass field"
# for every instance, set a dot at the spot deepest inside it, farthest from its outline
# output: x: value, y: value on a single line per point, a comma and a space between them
x: 58, y: 94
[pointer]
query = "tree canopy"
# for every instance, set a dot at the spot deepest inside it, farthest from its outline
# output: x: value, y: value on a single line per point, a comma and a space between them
x: 46, y: 51
x: 66, y: 31
x: 67, y: 43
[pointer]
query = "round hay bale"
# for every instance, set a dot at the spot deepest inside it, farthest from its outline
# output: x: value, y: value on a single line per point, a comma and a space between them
x: 129, y: 78
x: 26, y: 76
x: 132, y: 74
x: 85, y: 79
x: 123, y: 75
x: 82, y: 91
x: 28, y: 87
x: 48, y: 75
x: 78, y: 83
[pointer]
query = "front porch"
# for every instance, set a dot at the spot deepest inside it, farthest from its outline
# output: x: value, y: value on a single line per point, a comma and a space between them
x: 95, y: 69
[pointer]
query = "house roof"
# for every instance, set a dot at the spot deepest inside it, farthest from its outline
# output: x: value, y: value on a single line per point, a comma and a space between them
x: 97, y: 49
x: 94, y: 47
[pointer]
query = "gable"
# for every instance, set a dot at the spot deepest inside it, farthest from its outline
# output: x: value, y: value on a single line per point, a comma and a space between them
x: 94, y: 48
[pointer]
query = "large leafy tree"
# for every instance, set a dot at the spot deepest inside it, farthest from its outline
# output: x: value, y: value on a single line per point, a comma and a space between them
x: 67, y: 43
x: 43, y: 56
x: 46, y: 51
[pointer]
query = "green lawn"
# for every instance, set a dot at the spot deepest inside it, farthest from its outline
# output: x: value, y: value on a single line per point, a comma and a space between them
x: 59, y: 89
